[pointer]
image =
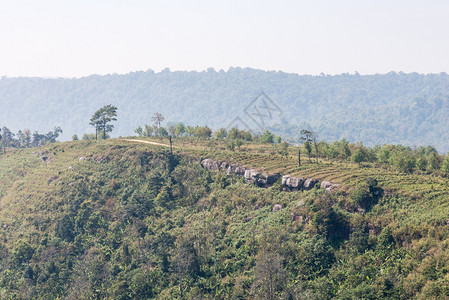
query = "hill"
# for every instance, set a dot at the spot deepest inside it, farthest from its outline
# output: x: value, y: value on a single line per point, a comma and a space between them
x: 123, y: 219
x: 411, y: 109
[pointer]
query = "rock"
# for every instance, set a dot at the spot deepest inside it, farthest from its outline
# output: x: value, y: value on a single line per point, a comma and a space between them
x: 333, y: 188
x: 310, y: 183
x: 277, y: 207
x: 295, y: 183
x: 205, y: 163
x: 70, y: 168
x: 230, y: 170
x: 81, y: 158
x: 252, y: 174
x: 210, y: 164
x: 240, y: 171
x: 325, y: 184
x: 284, y: 180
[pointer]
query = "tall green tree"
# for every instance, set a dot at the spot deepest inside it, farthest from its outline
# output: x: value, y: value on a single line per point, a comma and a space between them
x: 101, y: 119
x: 310, y: 137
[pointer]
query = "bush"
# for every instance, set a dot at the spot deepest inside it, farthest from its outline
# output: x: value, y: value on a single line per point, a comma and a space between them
x: 22, y: 252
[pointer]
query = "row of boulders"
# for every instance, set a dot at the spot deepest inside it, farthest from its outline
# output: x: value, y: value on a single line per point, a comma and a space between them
x: 289, y: 183
x: 250, y: 175
x: 298, y: 183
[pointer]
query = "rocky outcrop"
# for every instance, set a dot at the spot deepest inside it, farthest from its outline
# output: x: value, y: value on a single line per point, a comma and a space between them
x: 253, y: 176
x: 290, y: 183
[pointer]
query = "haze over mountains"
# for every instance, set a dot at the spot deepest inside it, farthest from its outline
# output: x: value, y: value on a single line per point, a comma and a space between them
x: 411, y: 109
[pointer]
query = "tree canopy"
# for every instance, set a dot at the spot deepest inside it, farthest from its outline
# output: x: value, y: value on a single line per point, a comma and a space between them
x: 101, y: 119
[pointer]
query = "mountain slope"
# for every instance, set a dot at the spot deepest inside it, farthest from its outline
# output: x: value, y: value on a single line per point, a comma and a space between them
x: 129, y: 220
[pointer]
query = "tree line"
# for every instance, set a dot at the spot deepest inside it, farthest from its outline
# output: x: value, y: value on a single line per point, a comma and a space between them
x: 26, y: 139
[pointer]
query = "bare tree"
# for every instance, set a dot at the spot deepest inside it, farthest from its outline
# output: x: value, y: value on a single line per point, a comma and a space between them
x: 270, y: 276
x: 185, y: 264
x: 157, y: 119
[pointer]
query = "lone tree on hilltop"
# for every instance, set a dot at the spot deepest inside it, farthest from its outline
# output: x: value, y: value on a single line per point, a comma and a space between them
x: 157, y: 119
x: 101, y: 119
x: 310, y: 137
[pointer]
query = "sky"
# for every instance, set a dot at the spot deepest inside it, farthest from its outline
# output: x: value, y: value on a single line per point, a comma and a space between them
x: 62, y: 38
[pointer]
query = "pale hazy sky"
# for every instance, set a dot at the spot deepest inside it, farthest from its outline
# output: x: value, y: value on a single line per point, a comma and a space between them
x: 78, y: 38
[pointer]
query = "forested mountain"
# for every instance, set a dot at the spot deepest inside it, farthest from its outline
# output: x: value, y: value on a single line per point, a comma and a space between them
x: 411, y: 109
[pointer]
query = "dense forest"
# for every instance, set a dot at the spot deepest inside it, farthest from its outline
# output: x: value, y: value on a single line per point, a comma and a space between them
x: 411, y: 109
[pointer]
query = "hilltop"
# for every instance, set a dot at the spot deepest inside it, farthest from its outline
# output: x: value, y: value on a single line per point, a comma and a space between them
x: 126, y: 219
x: 411, y: 109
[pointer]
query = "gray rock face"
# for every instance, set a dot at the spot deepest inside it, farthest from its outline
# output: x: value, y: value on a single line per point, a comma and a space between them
x: 292, y: 183
x: 295, y: 183
x: 310, y: 183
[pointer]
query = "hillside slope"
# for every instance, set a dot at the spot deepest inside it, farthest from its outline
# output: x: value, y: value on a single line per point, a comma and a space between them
x: 127, y: 220
x: 410, y: 109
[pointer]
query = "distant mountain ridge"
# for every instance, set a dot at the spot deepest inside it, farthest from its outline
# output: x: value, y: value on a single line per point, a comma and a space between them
x: 411, y: 109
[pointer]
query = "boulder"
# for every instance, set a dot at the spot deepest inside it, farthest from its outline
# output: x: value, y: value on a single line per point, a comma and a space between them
x: 240, y: 171
x: 277, y: 207
x: 325, y: 184
x: 205, y: 163
x: 284, y: 180
x: 210, y: 164
x: 310, y: 183
x: 230, y: 170
x: 334, y: 187
x: 295, y: 183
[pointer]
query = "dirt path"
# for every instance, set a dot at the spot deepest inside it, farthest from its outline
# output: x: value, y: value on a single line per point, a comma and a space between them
x: 148, y: 142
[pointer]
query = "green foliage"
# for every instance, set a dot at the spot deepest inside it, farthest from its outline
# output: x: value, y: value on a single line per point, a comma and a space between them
x: 445, y: 165
x: 358, y: 156
x: 221, y: 133
x: 22, y: 252
x: 267, y: 137
x: 101, y: 118
x: 202, y: 132
x: 64, y: 228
